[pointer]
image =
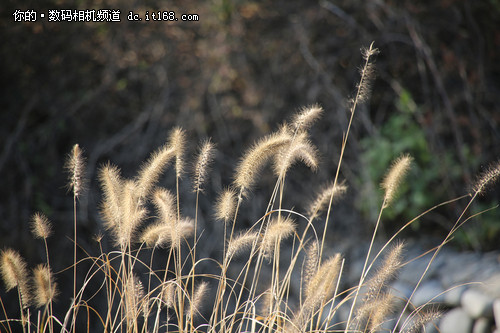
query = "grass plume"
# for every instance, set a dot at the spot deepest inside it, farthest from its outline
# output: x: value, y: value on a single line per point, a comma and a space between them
x: 45, y: 289
x: 487, y: 178
x: 41, y: 226
x: 205, y: 157
x: 255, y: 158
x: 394, y: 177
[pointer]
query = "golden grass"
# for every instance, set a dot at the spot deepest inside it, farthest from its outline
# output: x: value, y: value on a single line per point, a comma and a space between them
x: 142, y: 218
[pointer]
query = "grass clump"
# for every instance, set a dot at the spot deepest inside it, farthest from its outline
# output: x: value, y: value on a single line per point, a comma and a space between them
x: 144, y: 218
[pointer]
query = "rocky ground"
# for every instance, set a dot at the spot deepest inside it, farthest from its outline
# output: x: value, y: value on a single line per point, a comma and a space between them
x: 463, y: 286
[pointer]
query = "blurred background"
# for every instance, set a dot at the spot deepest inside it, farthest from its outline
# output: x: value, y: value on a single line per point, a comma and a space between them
x: 244, y: 67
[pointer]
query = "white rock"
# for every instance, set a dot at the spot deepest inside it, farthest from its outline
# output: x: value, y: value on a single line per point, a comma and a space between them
x: 477, y: 304
x: 456, y: 321
x: 430, y: 291
x: 482, y: 325
x: 453, y: 296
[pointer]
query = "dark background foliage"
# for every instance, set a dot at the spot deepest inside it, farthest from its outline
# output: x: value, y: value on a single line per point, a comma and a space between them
x: 234, y: 75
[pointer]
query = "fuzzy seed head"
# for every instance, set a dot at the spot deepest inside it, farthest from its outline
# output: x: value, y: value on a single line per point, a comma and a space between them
x: 421, y: 319
x: 169, y: 294
x: 306, y: 117
x: 486, y: 178
x: 152, y: 169
x: 134, y: 296
x: 197, y: 299
x: 177, y: 142
x: 385, y: 274
x: 311, y: 262
x: 112, y: 185
x: 278, y: 229
x: 225, y: 205
x: 181, y: 231
x: 202, y: 165
x: 75, y: 165
x: 157, y: 235
x: 367, y: 73
x: 15, y: 274
x: 45, y: 287
x: 318, y: 288
x: 41, y: 226
x: 300, y: 149
x: 133, y: 213
x: 164, y: 202
x: 240, y: 243
x: 322, y: 284
x: 255, y: 158
x: 322, y: 199
x: 373, y: 313
x: 394, y: 177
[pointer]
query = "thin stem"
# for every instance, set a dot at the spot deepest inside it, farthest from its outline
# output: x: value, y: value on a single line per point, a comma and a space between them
x: 73, y: 324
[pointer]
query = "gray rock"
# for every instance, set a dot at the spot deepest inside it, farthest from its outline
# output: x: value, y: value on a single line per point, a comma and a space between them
x: 477, y: 304
x: 401, y: 290
x: 453, y: 296
x: 456, y: 321
x: 482, y: 325
x: 430, y: 291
